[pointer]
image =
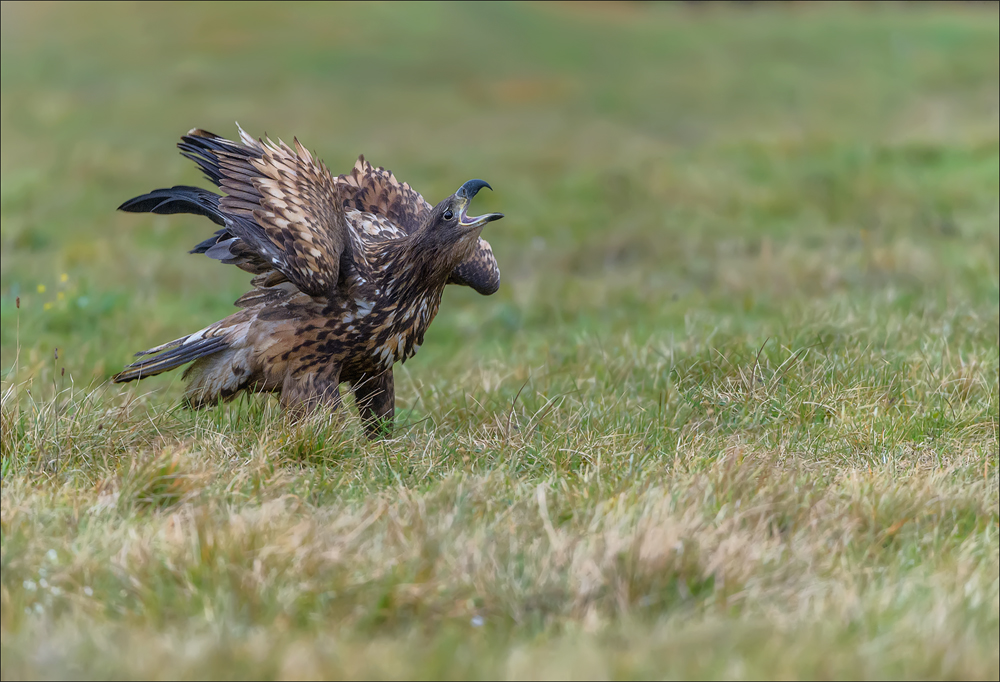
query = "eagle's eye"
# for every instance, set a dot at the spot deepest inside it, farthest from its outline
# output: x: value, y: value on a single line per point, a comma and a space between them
x: 448, y: 215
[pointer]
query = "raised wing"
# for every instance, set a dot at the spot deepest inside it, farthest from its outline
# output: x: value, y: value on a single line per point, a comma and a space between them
x: 377, y: 203
x: 280, y: 204
x: 479, y: 271
x: 377, y: 191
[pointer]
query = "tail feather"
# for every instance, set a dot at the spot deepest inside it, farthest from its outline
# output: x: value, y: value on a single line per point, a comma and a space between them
x: 171, y: 356
x: 217, y: 378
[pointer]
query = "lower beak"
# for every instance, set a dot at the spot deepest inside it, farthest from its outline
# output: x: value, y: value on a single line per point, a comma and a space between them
x: 479, y: 220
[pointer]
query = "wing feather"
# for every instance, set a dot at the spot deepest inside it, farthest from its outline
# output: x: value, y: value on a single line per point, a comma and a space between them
x: 296, y: 215
x: 285, y: 214
x: 479, y: 271
x: 376, y: 190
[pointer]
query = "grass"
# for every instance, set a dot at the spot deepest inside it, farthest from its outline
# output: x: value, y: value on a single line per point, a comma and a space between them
x: 733, y: 413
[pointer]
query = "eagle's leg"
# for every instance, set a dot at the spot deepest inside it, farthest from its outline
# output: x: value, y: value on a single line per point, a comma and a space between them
x: 376, y: 399
x: 304, y: 391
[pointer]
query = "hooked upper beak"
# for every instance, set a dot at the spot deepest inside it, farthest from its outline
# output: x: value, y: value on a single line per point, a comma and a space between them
x: 466, y: 192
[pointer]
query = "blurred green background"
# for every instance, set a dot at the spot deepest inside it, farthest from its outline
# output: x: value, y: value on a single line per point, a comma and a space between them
x: 746, y: 343
x: 664, y: 168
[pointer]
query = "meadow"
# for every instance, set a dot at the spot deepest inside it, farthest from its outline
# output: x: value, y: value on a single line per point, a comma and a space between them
x: 732, y: 414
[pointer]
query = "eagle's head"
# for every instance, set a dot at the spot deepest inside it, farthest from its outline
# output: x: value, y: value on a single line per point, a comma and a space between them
x: 450, y: 230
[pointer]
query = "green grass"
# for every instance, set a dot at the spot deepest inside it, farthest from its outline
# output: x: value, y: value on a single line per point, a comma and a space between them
x: 732, y: 414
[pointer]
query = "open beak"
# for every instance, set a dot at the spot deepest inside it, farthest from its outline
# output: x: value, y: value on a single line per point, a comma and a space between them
x: 466, y: 192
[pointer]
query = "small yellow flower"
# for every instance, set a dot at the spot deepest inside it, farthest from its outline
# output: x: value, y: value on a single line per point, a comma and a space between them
x: 64, y: 277
x: 47, y: 306
x: 60, y: 295
x: 41, y: 288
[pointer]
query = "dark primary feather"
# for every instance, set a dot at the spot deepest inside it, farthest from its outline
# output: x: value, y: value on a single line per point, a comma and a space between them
x: 179, y: 199
x: 219, y: 236
x: 204, y: 148
x: 184, y: 199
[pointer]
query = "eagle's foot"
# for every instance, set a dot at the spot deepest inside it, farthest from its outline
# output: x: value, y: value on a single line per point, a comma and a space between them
x: 303, y: 392
x: 376, y: 400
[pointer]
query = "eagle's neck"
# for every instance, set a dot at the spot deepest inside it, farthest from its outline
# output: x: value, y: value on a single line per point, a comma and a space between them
x: 408, y: 288
x: 427, y: 262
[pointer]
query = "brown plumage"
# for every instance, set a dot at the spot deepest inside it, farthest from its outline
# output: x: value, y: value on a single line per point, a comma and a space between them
x: 348, y: 275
